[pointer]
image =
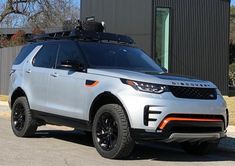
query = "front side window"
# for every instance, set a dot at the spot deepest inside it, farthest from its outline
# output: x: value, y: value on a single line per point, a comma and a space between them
x: 69, y: 51
x: 107, y: 55
x: 46, y: 56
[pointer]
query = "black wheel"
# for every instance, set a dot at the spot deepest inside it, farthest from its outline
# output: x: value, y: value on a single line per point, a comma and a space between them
x: 22, y: 122
x: 200, y: 148
x: 111, y: 132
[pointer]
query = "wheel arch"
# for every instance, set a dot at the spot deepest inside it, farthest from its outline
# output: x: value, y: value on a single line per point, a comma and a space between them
x: 102, y: 99
x: 18, y: 92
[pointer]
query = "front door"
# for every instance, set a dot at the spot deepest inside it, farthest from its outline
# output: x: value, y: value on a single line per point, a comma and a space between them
x: 64, y: 94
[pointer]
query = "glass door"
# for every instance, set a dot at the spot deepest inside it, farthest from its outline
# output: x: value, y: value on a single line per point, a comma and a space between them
x: 162, y: 36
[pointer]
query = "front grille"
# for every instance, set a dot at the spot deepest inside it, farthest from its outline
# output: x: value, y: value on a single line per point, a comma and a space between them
x: 193, y: 93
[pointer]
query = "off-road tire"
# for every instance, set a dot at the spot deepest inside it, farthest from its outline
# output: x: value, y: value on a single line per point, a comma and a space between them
x: 124, y: 142
x: 30, y: 126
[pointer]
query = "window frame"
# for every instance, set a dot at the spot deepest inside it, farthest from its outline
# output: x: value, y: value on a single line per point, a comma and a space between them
x: 18, y: 61
x: 154, y: 26
x: 77, y: 44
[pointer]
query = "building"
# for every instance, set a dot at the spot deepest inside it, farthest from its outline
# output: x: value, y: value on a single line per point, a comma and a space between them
x: 8, y: 32
x: 188, y: 37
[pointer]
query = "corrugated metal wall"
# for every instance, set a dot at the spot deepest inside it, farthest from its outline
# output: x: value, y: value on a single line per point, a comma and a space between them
x: 7, y: 56
x: 199, y: 32
x: 130, y: 17
x: 200, y: 37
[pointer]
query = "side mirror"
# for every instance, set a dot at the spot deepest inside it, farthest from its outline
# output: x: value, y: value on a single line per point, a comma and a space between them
x: 72, y: 65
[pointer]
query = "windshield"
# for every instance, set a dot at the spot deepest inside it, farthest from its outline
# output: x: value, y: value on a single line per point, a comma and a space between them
x: 106, y: 55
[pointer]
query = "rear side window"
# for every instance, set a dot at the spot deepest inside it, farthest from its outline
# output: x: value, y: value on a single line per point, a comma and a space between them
x: 24, y: 52
x: 46, y: 56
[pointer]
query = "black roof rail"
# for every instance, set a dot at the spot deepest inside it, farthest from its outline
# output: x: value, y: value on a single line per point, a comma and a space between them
x: 83, y: 35
x: 48, y: 36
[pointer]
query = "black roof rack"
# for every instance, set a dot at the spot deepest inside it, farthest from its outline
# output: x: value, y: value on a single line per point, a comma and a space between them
x: 83, y: 35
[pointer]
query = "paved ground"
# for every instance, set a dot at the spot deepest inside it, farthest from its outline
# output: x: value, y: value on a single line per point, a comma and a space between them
x: 53, y: 146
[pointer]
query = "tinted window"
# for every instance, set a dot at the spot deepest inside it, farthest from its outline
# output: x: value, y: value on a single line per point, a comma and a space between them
x: 103, y: 55
x: 25, y: 51
x: 69, y: 51
x: 46, y: 56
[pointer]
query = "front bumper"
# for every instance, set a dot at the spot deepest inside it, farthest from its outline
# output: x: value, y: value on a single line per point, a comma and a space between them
x: 160, y: 106
x: 177, y: 137
x: 182, y: 132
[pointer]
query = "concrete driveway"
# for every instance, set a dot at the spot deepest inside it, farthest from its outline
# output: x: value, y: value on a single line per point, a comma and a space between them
x: 61, y: 146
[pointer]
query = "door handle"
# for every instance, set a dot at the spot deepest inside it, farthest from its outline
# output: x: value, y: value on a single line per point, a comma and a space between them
x: 54, y: 75
x: 28, y: 71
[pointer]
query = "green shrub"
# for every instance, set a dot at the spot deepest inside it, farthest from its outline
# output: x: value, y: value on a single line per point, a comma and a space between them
x: 232, y: 74
x: 232, y: 67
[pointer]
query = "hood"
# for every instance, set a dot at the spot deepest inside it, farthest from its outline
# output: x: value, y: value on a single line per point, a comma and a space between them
x: 164, y: 78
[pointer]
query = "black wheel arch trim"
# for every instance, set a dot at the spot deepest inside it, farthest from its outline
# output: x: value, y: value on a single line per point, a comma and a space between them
x: 93, y: 109
x: 18, y: 92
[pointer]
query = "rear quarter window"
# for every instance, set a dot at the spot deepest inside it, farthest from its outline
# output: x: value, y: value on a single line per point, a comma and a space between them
x: 24, y: 52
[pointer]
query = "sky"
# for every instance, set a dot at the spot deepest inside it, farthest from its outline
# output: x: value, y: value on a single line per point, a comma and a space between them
x: 78, y: 2
x: 233, y: 2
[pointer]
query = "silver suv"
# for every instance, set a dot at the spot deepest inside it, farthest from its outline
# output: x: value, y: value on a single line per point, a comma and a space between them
x: 99, y: 82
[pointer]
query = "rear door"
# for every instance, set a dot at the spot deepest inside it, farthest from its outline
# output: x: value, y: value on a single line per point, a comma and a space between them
x: 36, y: 75
x: 64, y: 94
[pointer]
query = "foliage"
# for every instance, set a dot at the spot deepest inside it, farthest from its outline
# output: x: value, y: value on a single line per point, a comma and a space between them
x: 232, y: 24
x: 232, y: 74
x: 37, y: 31
x: 4, y: 42
x: 232, y: 67
x: 37, y: 13
x: 18, y: 38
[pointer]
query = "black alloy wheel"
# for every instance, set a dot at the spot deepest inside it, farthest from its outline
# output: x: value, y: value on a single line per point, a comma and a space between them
x: 19, y: 117
x: 107, y: 131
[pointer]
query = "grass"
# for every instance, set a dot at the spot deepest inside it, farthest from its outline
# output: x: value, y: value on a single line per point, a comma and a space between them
x: 231, y: 107
x: 3, y: 98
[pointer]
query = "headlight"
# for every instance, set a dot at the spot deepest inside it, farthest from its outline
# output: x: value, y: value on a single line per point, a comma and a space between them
x: 146, y: 87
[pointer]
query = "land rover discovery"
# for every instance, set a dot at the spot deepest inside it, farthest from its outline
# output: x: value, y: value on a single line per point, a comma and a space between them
x: 101, y: 83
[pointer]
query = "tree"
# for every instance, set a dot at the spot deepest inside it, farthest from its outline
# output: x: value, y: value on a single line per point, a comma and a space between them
x: 54, y: 13
x: 18, y: 38
x: 39, y: 13
x: 4, y: 42
x: 232, y: 23
x: 16, y: 7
